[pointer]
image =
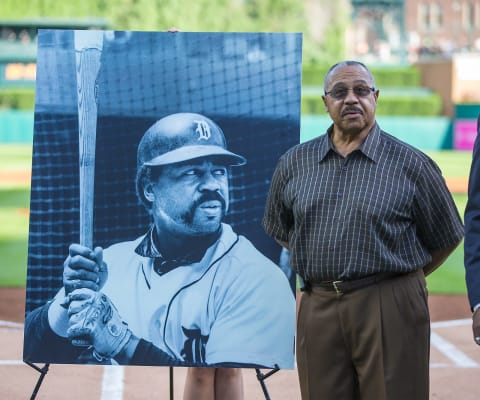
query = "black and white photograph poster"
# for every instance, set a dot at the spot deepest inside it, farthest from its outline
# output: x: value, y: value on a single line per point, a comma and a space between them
x: 152, y: 158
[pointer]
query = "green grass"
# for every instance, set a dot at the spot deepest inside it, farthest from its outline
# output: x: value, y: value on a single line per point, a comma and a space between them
x: 14, y: 203
x: 15, y: 157
x: 454, y: 164
x: 14, y: 259
x: 448, y: 279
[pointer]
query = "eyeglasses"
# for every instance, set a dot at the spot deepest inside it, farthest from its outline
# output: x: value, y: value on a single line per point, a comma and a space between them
x: 342, y: 92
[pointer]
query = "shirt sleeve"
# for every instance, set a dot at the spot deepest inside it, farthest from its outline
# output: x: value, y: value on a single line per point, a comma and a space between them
x: 278, y: 218
x: 42, y: 345
x: 435, y: 214
x: 472, y: 227
x: 256, y: 321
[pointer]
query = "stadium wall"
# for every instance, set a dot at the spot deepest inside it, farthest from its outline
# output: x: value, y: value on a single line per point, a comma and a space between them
x: 426, y: 133
x: 16, y: 126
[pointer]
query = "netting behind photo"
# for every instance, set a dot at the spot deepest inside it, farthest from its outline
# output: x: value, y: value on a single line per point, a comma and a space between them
x: 248, y: 83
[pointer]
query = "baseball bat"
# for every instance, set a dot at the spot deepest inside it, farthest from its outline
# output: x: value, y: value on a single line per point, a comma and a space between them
x: 88, y: 50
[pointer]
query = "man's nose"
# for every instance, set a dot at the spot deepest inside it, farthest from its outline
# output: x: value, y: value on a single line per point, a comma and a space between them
x: 351, y: 97
x: 209, y: 182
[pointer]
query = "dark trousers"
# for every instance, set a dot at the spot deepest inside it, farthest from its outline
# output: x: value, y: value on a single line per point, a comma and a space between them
x: 369, y: 344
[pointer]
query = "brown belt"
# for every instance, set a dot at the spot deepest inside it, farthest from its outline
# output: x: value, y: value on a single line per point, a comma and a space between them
x: 341, y: 287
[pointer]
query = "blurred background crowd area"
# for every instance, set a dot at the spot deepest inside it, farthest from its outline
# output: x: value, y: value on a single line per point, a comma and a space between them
x: 425, y: 54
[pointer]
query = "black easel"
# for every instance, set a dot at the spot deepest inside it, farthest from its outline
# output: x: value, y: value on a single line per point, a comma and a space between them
x: 43, y: 371
x: 261, y: 378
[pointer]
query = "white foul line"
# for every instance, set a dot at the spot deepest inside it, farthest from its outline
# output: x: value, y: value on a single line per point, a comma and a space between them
x: 449, y: 350
x: 112, y: 382
x: 453, y: 322
x: 8, y: 324
x: 11, y: 362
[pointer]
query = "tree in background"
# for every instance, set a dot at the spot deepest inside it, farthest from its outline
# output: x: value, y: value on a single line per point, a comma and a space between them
x: 323, y: 22
x: 327, y: 23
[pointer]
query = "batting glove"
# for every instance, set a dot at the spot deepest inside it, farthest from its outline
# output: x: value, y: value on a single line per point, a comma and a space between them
x: 94, y: 319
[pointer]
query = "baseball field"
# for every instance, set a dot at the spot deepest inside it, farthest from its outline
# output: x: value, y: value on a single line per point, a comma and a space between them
x: 455, y: 360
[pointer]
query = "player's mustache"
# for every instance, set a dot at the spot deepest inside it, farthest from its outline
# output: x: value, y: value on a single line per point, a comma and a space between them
x: 350, y: 109
x: 208, y: 196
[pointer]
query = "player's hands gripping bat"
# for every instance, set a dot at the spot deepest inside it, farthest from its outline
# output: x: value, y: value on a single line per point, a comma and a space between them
x: 94, y: 319
x: 84, y: 268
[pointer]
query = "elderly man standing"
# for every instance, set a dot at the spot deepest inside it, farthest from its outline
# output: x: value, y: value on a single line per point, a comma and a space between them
x: 365, y: 217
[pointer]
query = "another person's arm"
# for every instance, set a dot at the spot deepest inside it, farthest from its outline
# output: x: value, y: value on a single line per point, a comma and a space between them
x: 472, y: 237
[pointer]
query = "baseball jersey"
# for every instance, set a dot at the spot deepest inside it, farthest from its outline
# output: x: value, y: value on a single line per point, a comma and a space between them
x: 233, y: 306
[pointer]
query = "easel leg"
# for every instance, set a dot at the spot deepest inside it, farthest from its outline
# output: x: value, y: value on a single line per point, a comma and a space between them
x: 43, y: 371
x: 171, y: 383
x: 261, y: 378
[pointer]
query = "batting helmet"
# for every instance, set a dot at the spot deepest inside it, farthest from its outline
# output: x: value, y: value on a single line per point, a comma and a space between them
x: 181, y: 137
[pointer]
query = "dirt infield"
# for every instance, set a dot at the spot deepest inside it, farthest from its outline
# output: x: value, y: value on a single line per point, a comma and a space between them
x: 455, y: 364
x: 457, y: 185
x: 17, y: 177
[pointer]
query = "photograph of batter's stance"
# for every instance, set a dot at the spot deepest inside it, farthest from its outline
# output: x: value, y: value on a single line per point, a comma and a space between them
x: 190, y: 291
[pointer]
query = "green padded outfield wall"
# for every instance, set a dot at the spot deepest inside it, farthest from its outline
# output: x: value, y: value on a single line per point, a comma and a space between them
x: 425, y: 133
x: 16, y: 126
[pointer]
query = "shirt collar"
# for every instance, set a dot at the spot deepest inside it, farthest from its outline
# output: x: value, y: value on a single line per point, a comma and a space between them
x: 369, y: 147
x: 146, y: 247
x: 161, y: 265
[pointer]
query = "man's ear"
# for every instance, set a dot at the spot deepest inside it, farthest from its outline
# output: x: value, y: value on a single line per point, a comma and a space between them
x: 324, y: 98
x: 148, y: 191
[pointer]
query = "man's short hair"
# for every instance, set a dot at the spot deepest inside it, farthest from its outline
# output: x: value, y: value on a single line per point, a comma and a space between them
x: 344, y: 64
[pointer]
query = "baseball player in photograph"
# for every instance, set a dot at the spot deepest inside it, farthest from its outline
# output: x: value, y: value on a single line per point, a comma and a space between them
x: 190, y: 291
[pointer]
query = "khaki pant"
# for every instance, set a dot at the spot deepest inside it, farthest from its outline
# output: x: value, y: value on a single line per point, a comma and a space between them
x: 370, y: 344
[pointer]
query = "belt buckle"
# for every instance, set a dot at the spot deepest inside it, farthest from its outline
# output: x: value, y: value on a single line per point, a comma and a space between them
x: 337, y: 289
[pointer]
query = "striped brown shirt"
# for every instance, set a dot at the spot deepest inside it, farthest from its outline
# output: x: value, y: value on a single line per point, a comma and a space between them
x: 383, y: 208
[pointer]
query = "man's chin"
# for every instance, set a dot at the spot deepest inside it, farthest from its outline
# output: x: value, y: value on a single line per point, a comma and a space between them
x: 353, y: 127
x: 206, y: 226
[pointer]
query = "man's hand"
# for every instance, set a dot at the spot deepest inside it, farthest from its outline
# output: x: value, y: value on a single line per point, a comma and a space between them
x: 476, y: 326
x: 84, y: 268
x: 95, y: 320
